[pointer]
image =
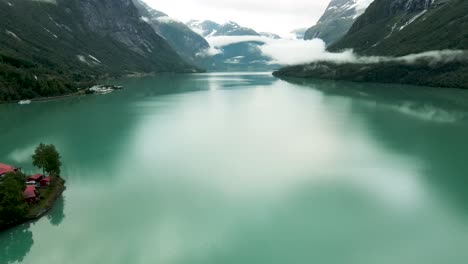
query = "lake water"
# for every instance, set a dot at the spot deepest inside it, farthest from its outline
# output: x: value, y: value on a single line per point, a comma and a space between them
x: 246, y: 168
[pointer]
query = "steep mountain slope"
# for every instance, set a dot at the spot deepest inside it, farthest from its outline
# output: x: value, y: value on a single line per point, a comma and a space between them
x: 50, y: 48
x: 397, y: 28
x: 402, y: 27
x: 184, y: 40
x: 337, y: 20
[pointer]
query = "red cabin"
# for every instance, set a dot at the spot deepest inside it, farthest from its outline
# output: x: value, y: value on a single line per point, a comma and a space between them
x: 36, y: 178
x: 30, y: 194
x: 46, y: 181
x: 4, y: 169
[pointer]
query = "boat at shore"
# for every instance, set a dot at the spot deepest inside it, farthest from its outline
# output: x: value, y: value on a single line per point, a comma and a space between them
x: 24, y: 102
x: 103, y: 89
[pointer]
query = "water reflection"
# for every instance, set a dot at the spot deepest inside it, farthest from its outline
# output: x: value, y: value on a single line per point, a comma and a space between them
x: 57, y: 214
x: 249, y: 169
x: 15, y: 244
x: 427, y: 103
x: 436, y: 123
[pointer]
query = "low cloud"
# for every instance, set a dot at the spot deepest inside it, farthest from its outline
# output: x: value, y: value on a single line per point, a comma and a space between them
x: 293, y: 51
x: 167, y: 20
x: 210, y: 52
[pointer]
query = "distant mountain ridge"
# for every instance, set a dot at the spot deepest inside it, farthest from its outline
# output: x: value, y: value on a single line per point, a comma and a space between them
x: 210, y: 28
x: 397, y: 28
x: 238, y: 56
x: 337, y: 20
x: 53, y: 48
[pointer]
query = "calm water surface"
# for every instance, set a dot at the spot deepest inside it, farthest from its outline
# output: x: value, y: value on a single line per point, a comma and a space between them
x: 245, y: 168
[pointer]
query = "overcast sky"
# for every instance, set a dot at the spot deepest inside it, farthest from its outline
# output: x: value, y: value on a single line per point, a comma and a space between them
x: 262, y: 15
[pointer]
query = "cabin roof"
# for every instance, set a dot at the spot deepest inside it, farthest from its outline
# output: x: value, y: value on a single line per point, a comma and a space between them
x: 46, y: 179
x: 29, y: 192
x: 35, y: 177
x: 4, y: 168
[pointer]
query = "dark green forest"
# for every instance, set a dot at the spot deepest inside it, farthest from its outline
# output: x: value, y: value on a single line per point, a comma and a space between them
x: 423, y: 73
x: 54, y: 49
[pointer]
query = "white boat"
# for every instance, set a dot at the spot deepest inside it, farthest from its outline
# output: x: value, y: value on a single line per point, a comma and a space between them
x: 24, y: 102
x: 101, y: 89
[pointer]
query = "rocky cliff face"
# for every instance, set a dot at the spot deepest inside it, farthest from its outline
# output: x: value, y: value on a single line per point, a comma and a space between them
x: 337, y: 20
x: 53, y: 46
x: 400, y: 27
x: 183, y: 39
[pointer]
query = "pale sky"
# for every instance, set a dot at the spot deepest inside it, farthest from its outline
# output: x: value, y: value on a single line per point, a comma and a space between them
x: 273, y: 16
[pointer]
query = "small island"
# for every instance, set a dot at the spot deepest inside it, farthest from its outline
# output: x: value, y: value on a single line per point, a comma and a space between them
x: 24, y: 198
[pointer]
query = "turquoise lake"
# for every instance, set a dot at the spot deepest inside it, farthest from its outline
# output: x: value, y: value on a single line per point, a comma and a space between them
x: 245, y: 168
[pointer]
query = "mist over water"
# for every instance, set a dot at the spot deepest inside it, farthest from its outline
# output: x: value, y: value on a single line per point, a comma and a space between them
x: 245, y: 168
x: 293, y: 51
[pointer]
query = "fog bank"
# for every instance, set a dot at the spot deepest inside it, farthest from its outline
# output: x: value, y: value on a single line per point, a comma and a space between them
x: 293, y: 51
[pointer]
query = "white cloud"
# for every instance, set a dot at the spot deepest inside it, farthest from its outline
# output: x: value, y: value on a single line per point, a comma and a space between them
x: 167, y: 20
x: 290, y: 52
x: 221, y: 41
x: 209, y: 52
x: 285, y: 51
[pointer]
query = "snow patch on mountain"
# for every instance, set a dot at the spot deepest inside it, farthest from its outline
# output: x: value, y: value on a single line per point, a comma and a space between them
x: 48, y: 31
x: 413, y: 19
x: 94, y: 58
x: 12, y: 34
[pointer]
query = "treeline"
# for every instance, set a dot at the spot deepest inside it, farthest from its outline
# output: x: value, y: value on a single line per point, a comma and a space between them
x: 20, y: 79
x: 13, y: 208
x: 422, y: 73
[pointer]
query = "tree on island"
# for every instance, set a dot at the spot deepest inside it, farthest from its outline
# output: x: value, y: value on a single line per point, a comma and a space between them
x: 12, y: 205
x: 47, y: 158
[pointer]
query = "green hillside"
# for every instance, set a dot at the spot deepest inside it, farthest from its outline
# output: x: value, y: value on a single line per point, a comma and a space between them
x: 378, y: 31
x: 397, y: 28
x: 51, y: 49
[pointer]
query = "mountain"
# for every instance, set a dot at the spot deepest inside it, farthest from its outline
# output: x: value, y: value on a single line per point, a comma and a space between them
x: 50, y: 48
x: 205, y: 28
x: 395, y: 28
x: 337, y: 20
x: 240, y: 55
x: 398, y: 28
x: 183, y: 39
x: 233, y: 29
x: 209, y: 28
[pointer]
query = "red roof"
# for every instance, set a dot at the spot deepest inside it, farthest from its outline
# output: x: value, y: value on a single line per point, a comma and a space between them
x: 35, y: 177
x: 29, y: 192
x: 4, y: 168
x: 46, y: 179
